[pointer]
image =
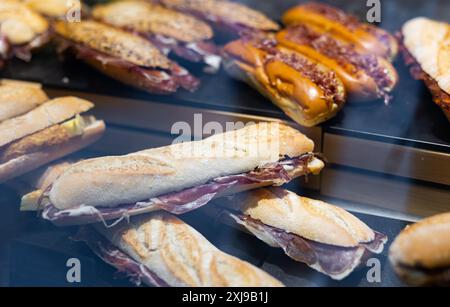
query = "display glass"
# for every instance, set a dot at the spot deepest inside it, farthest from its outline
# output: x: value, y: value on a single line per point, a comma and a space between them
x: 216, y: 143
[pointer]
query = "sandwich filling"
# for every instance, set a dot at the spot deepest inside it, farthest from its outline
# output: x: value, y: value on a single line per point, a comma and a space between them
x: 9, y: 50
x: 344, y: 54
x: 325, y: 79
x: 158, y: 80
x: 335, y: 261
x: 180, y: 202
x: 52, y: 136
x: 112, y: 255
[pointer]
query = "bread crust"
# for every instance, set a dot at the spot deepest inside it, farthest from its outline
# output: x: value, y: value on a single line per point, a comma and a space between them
x: 29, y: 162
x: 53, y: 8
x: 424, y: 244
x: 304, y: 101
x: 146, y: 18
x: 230, y: 12
x: 158, y: 171
x: 48, y: 114
x: 20, y: 24
x: 428, y: 41
x: 181, y: 256
x: 310, y: 219
x: 18, y: 99
x: 114, y: 42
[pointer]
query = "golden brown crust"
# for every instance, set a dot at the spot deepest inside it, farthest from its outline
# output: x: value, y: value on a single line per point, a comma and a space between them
x: 48, y: 114
x: 113, y: 42
x: 19, y: 23
x: 367, y: 37
x: 424, y: 244
x: 17, y: 99
x: 149, y: 18
x: 181, y: 256
x: 158, y: 171
x: 428, y: 41
x: 308, y: 218
x: 228, y: 11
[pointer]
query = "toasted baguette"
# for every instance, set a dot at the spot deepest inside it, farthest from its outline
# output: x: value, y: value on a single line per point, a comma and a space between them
x: 181, y: 256
x: 53, y: 112
x: 308, y: 218
x: 29, y: 162
x: 114, y: 42
x: 16, y: 99
x: 111, y: 181
x: 145, y: 17
x: 54, y: 8
x: 19, y: 23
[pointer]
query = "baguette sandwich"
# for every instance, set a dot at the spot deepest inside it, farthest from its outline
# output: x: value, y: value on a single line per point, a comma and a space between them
x: 420, y: 254
x: 56, y: 9
x: 35, y: 132
x: 226, y: 16
x: 171, y: 31
x: 306, y: 90
x: 123, y: 56
x: 365, y: 76
x: 21, y: 31
x: 426, y: 49
x: 181, y: 177
x: 325, y: 237
x: 161, y: 250
x: 364, y: 36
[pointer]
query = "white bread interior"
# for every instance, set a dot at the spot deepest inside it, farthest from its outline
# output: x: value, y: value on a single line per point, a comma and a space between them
x: 308, y: 218
x: 425, y: 244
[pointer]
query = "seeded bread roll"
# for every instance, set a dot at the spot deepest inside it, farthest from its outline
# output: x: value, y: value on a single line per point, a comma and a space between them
x: 180, y: 256
x: 149, y: 18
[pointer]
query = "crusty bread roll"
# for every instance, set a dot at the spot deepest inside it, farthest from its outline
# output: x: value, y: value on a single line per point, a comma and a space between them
x: 311, y: 219
x: 16, y: 99
x: 20, y: 24
x: 366, y: 37
x: 48, y: 114
x: 421, y: 252
x: 224, y: 13
x: 31, y: 161
x: 145, y: 17
x: 181, y: 256
x: 112, y: 181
